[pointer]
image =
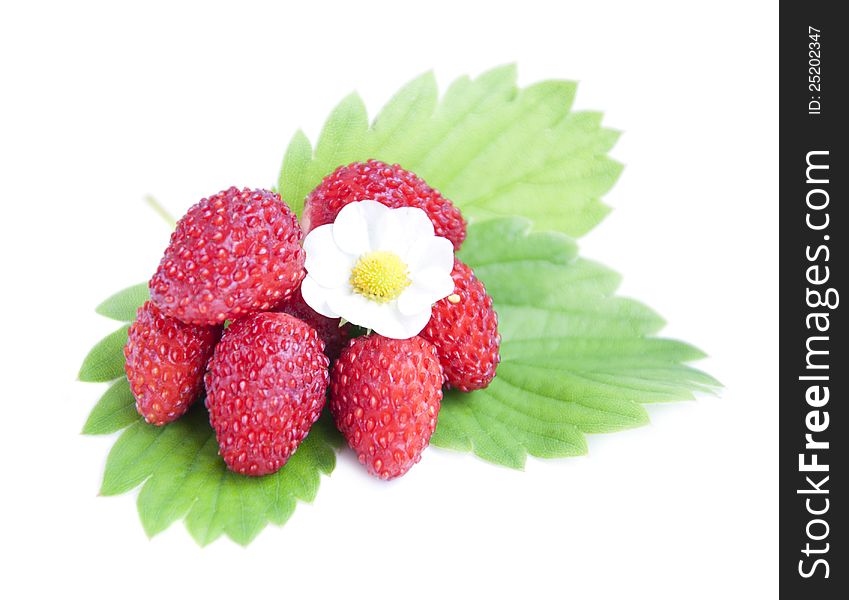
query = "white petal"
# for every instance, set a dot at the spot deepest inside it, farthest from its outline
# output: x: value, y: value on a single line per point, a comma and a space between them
x: 399, y: 229
x: 353, y: 307
x: 353, y: 224
x: 429, y: 286
x: 415, y: 221
x: 415, y: 300
x: 393, y: 324
x: 317, y: 297
x: 437, y: 281
x: 430, y: 252
x: 325, y: 262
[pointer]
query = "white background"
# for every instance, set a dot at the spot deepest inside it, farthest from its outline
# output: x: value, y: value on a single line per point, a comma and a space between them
x: 102, y: 104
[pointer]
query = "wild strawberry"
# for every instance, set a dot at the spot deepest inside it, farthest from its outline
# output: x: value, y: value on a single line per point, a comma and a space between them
x: 388, y: 184
x: 265, y: 388
x: 464, y: 329
x: 384, y: 396
x: 329, y: 330
x: 232, y: 254
x: 166, y: 360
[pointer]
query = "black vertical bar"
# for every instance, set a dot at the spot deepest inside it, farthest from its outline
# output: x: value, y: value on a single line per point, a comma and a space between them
x: 813, y: 334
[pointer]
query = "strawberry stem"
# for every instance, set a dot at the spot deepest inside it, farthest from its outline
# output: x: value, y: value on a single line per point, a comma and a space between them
x: 160, y: 210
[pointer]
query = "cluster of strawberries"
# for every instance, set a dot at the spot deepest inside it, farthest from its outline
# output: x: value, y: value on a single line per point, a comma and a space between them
x: 226, y: 316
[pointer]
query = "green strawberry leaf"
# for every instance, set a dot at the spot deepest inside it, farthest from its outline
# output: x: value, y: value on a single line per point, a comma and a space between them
x: 295, y: 169
x: 122, y: 305
x: 115, y: 410
x: 575, y: 359
x: 494, y: 149
x: 184, y: 478
x: 105, y: 361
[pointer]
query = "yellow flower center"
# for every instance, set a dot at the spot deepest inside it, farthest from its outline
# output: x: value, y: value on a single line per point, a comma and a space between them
x: 380, y: 276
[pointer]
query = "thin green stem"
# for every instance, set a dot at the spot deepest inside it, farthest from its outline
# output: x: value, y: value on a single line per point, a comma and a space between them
x: 160, y: 210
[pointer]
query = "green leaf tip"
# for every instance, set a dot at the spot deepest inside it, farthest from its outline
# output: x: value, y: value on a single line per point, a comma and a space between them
x: 105, y: 361
x: 294, y: 170
x: 122, y: 306
x: 115, y: 410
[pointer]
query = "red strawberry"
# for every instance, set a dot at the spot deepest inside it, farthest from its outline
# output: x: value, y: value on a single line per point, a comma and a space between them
x: 333, y: 336
x: 464, y: 329
x: 388, y: 184
x: 232, y: 254
x: 265, y: 388
x: 384, y: 396
x: 166, y: 360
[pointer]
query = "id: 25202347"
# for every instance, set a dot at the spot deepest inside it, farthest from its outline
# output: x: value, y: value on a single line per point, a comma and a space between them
x: 814, y: 72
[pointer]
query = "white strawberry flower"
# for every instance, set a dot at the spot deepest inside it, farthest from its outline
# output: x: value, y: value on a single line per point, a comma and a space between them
x: 378, y: 267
